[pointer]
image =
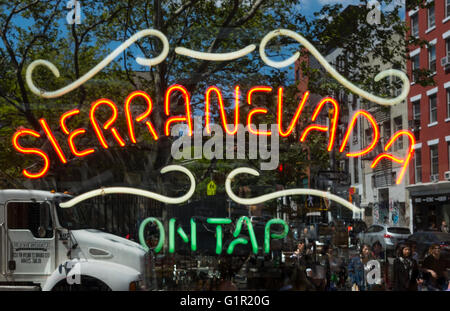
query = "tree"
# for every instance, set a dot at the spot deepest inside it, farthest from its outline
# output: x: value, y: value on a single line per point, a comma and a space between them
x: 42, y: 32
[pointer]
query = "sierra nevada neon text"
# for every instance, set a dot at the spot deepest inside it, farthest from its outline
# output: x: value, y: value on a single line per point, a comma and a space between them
x: 107, y: 133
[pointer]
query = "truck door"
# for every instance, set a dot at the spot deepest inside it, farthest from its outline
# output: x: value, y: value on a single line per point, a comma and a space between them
x: 30, y: 238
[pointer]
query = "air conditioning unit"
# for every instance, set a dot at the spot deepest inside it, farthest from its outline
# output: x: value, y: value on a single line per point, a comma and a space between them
x: 447, y: 175
x: 435, y: 178
x: 445, y: 62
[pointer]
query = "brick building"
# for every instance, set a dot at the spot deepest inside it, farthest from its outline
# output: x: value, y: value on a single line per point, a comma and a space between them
x: 429, y: 114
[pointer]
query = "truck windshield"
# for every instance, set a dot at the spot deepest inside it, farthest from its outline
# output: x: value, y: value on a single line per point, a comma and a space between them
x: 76, y: 217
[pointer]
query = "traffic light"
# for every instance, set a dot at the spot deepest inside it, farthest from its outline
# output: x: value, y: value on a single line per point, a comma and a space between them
x: 280, y: 168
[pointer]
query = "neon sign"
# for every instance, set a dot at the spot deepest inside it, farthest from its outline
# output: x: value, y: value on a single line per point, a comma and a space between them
x: 102, y: 131
x: 186, y: 118
x: 268, y: 235
x: 108, y: 132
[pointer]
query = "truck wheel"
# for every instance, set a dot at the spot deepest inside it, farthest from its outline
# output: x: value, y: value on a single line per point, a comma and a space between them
x: 87, y: 284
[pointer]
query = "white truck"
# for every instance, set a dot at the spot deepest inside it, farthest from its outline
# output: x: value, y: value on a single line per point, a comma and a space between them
x: 41, y: 250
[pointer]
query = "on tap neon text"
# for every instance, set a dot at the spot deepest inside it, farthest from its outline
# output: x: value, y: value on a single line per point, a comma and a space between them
x: 219, y: 222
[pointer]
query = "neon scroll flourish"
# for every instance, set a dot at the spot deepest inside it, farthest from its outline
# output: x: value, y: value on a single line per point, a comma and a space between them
x: 140, y: 192
x: 281, y: 193
x: 219, y: 57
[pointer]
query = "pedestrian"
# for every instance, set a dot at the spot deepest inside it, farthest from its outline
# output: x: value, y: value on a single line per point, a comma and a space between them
x: 405, y: 270
x: 414, y: 253
x: 377, y: 251
x: 434, y: 269
x: 444, y: 227
x: 305, y: 236
x: 432, y: 226
x: 357, y: 269
x: 301, y: 255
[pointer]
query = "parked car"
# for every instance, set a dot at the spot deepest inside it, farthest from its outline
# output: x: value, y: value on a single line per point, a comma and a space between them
x: 387, y: 235
x: 424, y: 239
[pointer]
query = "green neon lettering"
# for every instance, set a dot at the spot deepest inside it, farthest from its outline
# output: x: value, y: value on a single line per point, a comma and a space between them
x: 267, y: 234
x: 172, y: 235
x: 193, y: 235
x: 234, y: 243
x: 237, y: 231
x: 219, y: 235
x: 161, y: 234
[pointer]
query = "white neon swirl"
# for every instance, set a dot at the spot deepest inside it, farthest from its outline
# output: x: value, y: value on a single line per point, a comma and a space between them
x: 373, y: 98
x: 281, y: 193
x: 140, y: 192
x: 141, y: 61
x: 215, y: 56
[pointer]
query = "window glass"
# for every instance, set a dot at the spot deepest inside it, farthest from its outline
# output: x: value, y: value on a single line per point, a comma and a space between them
x: 447, y: 8
x: 434, y: 160
x: 32, y: 216
x: 415, y: 63
x: 418, y: 164
x: 432, y: 58
x: 415, y: 25
x: 399, y: 230
x: 433, y: 108
x: 448, y: 102
x: 431, y: 20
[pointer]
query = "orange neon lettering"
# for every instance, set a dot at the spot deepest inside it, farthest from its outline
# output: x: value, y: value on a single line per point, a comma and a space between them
x: 141, y: 116
x: 405, y: 160
x: 74, y: 150
x: 320, y: 128
x: 186, y: 97
x: 296, y: 116
x: 66, y: 115
x: 249, y: 122
x: 53, y: 141
x: 257, y: 89
x: 222, y: 109
x: 36, y: 151
x: 107, y: 125
x: 312, y: 128
x: 376, y: 131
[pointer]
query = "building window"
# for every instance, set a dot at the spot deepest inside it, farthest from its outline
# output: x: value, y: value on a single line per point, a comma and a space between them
x: 355, y: 133
x: 416, y: 111
x: 355, y: 170
x: 432, y: 58
x: 434, y: 160
x: 397, y: 127
x: 415, y: 65
x: 447, y: 47
x: 448, y: 103
x: 431, y: 22
x: 418, y: 165
x: 448, y: 152
x: 387, y: 129
x: 433, y: 108
x: 415, y: 25
x: 447, y: 8
x: 368, y: 136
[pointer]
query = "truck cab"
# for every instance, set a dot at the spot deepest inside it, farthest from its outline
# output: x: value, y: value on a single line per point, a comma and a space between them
x: 45, y: 247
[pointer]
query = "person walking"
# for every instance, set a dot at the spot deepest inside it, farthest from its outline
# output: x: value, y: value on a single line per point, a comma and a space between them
x: 301, y: 254
x: 405, y: 270
x: 357, y: 269
x: 434, y: 269
x: 444, y: 227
